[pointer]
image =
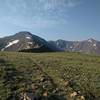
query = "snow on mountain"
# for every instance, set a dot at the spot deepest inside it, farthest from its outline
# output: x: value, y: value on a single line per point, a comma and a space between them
x: 30, y: 43
x: 28, y: 37
x: 10, y: 44
x: 90, y: 40
x: 94, y: 45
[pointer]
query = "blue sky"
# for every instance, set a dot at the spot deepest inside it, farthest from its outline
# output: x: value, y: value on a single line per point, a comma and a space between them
x: 51, y: 19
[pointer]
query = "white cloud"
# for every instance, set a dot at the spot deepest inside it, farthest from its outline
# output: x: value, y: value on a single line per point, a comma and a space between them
x: 32, y: 7
x: 28, y: 13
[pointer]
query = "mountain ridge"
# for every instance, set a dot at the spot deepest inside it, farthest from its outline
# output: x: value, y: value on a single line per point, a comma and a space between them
x: 27, y: 42
x: 85, y: 46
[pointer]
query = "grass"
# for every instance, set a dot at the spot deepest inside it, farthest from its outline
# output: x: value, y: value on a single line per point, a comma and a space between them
x: 60, y: 74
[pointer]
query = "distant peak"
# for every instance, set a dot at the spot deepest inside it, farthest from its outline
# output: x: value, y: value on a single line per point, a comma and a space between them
x: 91, y: 40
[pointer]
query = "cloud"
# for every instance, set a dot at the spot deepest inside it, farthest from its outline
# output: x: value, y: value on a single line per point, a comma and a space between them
x: 33, y: 7
x: 36, y: 12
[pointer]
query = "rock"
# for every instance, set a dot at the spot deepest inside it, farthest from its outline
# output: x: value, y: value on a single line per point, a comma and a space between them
x: 66, y: 83
x: 30, y: 96
x: 34, y: 87
x: 45, y: 94
x: 82, y: 98
x: 73, y: 94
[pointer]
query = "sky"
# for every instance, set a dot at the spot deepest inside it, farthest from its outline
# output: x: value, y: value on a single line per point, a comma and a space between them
x: 51, y: 19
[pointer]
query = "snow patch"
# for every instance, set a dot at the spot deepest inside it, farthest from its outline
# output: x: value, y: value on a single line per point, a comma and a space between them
x: 28, y: 47
x: 30, y: 43
x: 71, y: 47
x: 10, y: 44
x: 57, y: 43
x: 28, y: 37
x: 2, y: 49
x: 94, y: 45
x: 89, y: 40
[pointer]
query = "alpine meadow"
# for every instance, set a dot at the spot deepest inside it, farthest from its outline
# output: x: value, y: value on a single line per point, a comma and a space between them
x: 56, y: 76
x: 49, y: 49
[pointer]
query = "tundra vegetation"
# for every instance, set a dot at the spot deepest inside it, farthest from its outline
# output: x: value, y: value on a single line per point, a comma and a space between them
x: 51, y: 76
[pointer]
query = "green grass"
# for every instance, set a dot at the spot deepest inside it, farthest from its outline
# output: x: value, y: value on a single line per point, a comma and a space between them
x: 18, y: 71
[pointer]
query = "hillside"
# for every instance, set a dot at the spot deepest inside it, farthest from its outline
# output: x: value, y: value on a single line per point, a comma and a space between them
x: 53, y: 76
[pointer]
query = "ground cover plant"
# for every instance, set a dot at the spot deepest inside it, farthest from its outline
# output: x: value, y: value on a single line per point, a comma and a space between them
x: 52, y: 76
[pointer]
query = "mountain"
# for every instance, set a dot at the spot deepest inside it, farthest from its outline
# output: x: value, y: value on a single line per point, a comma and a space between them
x: 25, y: 41
x: 86, y: 46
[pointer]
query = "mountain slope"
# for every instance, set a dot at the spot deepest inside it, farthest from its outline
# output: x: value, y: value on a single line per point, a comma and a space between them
x: 25, y: 41
x: 86, y: 46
